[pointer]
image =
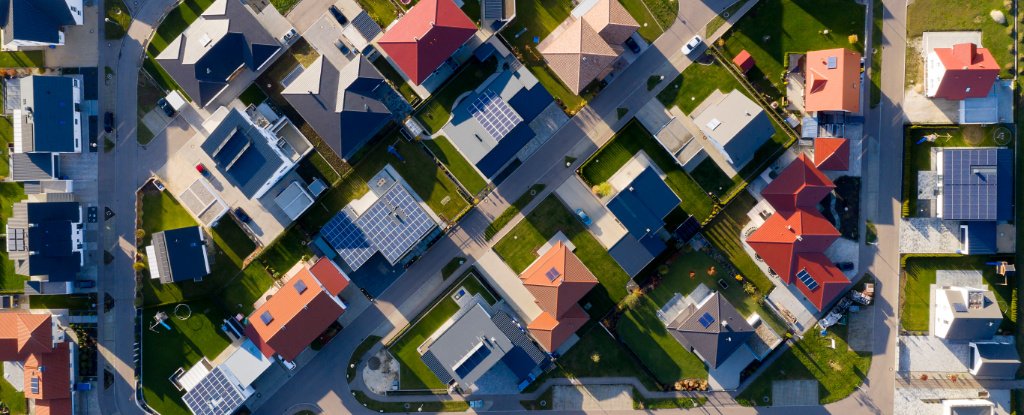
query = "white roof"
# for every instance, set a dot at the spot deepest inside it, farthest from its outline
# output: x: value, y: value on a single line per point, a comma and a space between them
x: 247, y: 363
x: 195, y: 374
x: 294, y: 200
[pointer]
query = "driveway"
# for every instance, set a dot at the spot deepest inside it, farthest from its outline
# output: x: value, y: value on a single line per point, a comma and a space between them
x: 604, y: 226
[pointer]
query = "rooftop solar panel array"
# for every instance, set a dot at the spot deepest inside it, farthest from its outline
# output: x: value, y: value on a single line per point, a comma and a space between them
x: 494, y: 9
x: 494, y: 114
x: 366, y: 26
x: 706, y: 320
x: 345, y: 236
x: 971, y: 184
x: 214, y: 395
x: 806, y: 278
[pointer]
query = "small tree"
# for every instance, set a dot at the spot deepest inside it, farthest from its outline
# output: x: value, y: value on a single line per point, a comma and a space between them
x: 749, y: 288
x: 603, y: 189
x: 139, y: 266
x: 853, y: 39
x: 140, y: 233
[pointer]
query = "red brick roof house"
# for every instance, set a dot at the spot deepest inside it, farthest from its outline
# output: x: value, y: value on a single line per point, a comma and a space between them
x: 960, y: 72
x: 558, y: 280
x: 29, y: 338
x: 799, y: 185
x: 744, y: 61
x: 832, y: 153
x: 300, y: 311
x: 781, y: 239
x: 426, y: 36
x: 819, y: 280
x: 832, y: 80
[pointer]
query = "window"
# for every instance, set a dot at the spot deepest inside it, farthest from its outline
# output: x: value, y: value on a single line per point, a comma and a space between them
x: 807, y: 279
x: 35, y: 385
x: 266, y: 317
x: 300, y: 286
x: 553, y: 274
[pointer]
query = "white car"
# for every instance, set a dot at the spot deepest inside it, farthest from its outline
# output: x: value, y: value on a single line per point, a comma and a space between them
x: 692, y: 44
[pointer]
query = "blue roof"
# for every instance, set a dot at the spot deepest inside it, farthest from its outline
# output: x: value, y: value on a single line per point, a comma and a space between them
x: 54, y: 112
x: 35, y: 20
x: 981, y: 238
x: 519, y: 362
x: 529, y: 103
x: 49, y: 240
x: 506, y: 149
x: 644, y: 204
x: 631, y: 255
x: 977, y: 184
x: 186, y: 253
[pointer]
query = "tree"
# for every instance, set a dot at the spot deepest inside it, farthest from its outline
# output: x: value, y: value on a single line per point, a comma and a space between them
x: 139, y: 266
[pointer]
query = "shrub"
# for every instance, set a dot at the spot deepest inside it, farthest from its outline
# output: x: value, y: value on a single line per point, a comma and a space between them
x: 139, y: 266
x: 603, y: 189
x: 749, y: 288
x: 853, y: 39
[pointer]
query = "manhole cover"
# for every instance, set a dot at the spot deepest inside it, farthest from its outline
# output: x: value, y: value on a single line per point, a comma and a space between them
x: 374, y: 363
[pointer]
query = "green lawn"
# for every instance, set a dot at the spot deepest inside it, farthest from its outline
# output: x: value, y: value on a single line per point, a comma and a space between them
x: 654, y: 16
x: 396, y: 80
x: 286, y: 250
x: 503, y: 219
x: 316, y: 166
x: 252, y: 95
x: 627, y: 142
x: 429, y: 406
x: 414, y: 373
x: 792, y: 26
x: 446, y: 153
x: 920, y: 275
x: 27, y: 59
x: 840, y: 371
x: 876, y: 46
x: 695, y: 84
x: 724, y: 233
x: 176, y: 22
x: 519, y: 249
x: 161, y: 212
x: 472, y: 10
x: 6, y: 139
x: 452, y: 266
x: 116, y: 20
x: 641, y: 330
x: 712, y: 178
x: 234, y: 242
x: 70, y: 301
x: 598, y: 355
x: 435, y: 112
x: 284, y: 6
x: 14, y: 400
x: 381, y: 11
x: 162, y: 79
x: 9, y: 281
x: 935, y: 15
x: 539, y: 18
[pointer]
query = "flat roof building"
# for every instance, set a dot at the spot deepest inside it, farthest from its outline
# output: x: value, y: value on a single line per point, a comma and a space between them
x: 178, y: 255
x: 44, y: 239
x: 965, y: 313
x: 976, y: 183
x: 36, y: 24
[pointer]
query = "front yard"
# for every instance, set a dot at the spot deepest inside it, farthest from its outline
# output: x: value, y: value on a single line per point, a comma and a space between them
x: 916, y: 284
x: 519, y: 249
x: 632, y: 138
x: 597, y: 354
x: 774, y: 28
x: 453, y: 160
x: 696, y: 83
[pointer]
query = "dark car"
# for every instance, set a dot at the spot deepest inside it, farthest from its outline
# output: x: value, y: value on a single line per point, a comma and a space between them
x: 241, y: 215
x: 85, y: 284
x: 342, y: 20
x: 632, y: 45
x: 166, y: 107
x: 108, y: 122
x: 845, y: 266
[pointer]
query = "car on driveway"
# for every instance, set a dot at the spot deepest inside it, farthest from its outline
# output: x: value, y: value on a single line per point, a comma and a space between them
x: 166, y: 107
x: 582, y: 216
x: 342, y: 20
x: 108, y: 122
x: 690, y: 46
x: 632, y: 45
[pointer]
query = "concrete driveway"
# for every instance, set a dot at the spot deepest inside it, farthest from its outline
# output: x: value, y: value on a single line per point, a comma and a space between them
x: 605, y: 227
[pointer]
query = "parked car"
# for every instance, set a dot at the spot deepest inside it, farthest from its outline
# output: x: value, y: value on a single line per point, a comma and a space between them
x: 632, y: 45
x: 8, y: 301
x: 166, y: 107
x: 242, y: 216
x: 342, y: 20
x: 85, y: 284
x: 845, y: 266
x: 692, y: 44
x: 108, y: 122
x: 582, y: 216
x: 344, y: 49
x: 202, y: 170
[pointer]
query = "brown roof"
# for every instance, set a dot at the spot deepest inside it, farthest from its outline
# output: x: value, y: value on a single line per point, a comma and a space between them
x: 333, y: 279
x: 296, y: 315
x: 832, y: 80
x: 578, y: 55
x: 832, y: 153
x: 558, y: 280
x: 53, y: 406
x: 551, y: 333
x: 53, y: 372
x: 24, y: 333
x: 612, y: 21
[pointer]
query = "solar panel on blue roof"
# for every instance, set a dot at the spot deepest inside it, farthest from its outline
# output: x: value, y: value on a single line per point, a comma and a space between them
x: 472, y: 361
x: 706, y: 320
x: 807, y: 279
x: 348, y: 239
x: 494, y: 114
x: 395, y: 223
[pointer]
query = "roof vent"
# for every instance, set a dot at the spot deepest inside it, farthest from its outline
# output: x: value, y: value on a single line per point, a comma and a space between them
x: 714, y: 123
x: 832, y: 62
x: 205, y: 40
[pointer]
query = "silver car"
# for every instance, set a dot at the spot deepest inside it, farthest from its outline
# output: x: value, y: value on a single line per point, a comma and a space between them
x: 692, y: 44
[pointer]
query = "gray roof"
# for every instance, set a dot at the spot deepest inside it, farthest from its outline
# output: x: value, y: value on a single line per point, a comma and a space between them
x: 48, y: 109
x: 977, y: 183
x: 714, y: 329
x: 34, y: 20
x: 181, y: 254
x: 40, y: 239
x: 344, y: 106
x: 223, y: 39
x: 736, y: 123
x: 33, y: 166
x: 975, y: 317
x: 998, y: 360
x: 243, y: 153
x: 471, y: 332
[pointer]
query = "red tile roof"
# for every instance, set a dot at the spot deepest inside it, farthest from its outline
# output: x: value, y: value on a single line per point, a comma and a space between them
x: 832, y: 153
x: 53, y: 371
x: 781, y: 238
x: 832, y: 87
x: 831, y: 281
x: 296, y: 318
x: 427, y: 35
x: 333, y: 279
x: 744, y: 61
x: 558, y: 280
x: 53, y: 406
x: 970, y: 72
x: 24, y: 333
x: 799, y: 185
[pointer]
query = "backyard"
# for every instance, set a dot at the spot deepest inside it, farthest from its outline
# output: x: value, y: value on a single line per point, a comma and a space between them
x: 435, y: 112
x: 838, y: 370
x: 597, y: 354
x: 934, y: 15
x: 519, y: 249
x: 14, y: 400
x: 414, y: 373
x: 452, y: 159
x: 10, y: 193
x: 396, y: 80
x: 920, y: 275
x: 724, y: 232
x: 774, y: 28
x: 632, y: 138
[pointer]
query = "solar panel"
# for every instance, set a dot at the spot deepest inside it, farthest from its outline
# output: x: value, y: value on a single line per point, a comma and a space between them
x: 472, y: 361
x: 214, y: 395
x: 706, y: 320
x: 342, y: 233
x: 971, y: 185
x: 494, y: 9
x: 807, y: 279
x: 494, y: 114
x: 553, y: 274
x: 266, y: 318
x: 366, y: 26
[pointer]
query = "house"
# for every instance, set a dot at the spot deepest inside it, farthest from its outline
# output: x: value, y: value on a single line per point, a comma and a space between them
x: 792, y: 241
x: 744, y: 61
x: 503, y: 121
x: 426, y: 36
x: 832, y: 81
x: 36, y: 24
x: 641, y: 207
x: 587, y: 46
x: 178, y: 255
x: 832, y: 153
x: 47, y: 121
x: 976, y: 184
x: 735, y: 125
x: 224, y: 42
x: 302, y: 309
x: 389, y: 220
x: 712, y: 329
x: 960, y: 72
x: 37, y: 344
x: 966, y: 313
x: 483, y: 344
x: 221, y: 389
x: 558, y: 280
x: 44, y: 239
x: 345, y: 106
x: 993, y: 360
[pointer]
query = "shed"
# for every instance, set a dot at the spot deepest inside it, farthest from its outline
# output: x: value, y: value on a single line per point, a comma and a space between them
x: 744, y: 61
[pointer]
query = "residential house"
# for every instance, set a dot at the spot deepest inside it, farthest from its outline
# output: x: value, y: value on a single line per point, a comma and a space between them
x: 222, y: 388
x: 47, y: 121
x: 735, y: 125
x: 36, y: 24
x: 343, y: 105
x: 178, y: 255
x: 960, y: 72
x: 558, y: 280
x: 37, y: 344
x: 225, y: 41
x: 832, y: 153
x: 44, y: 239
x: 641, y: 207
x: 300, y: 311
x: 973, y: 186
x: 832, y: 81
x: 585, y: 49
x: 966, y: 313
x: 993, y: 360
x: 426, y: 36
x: 712, y: 329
